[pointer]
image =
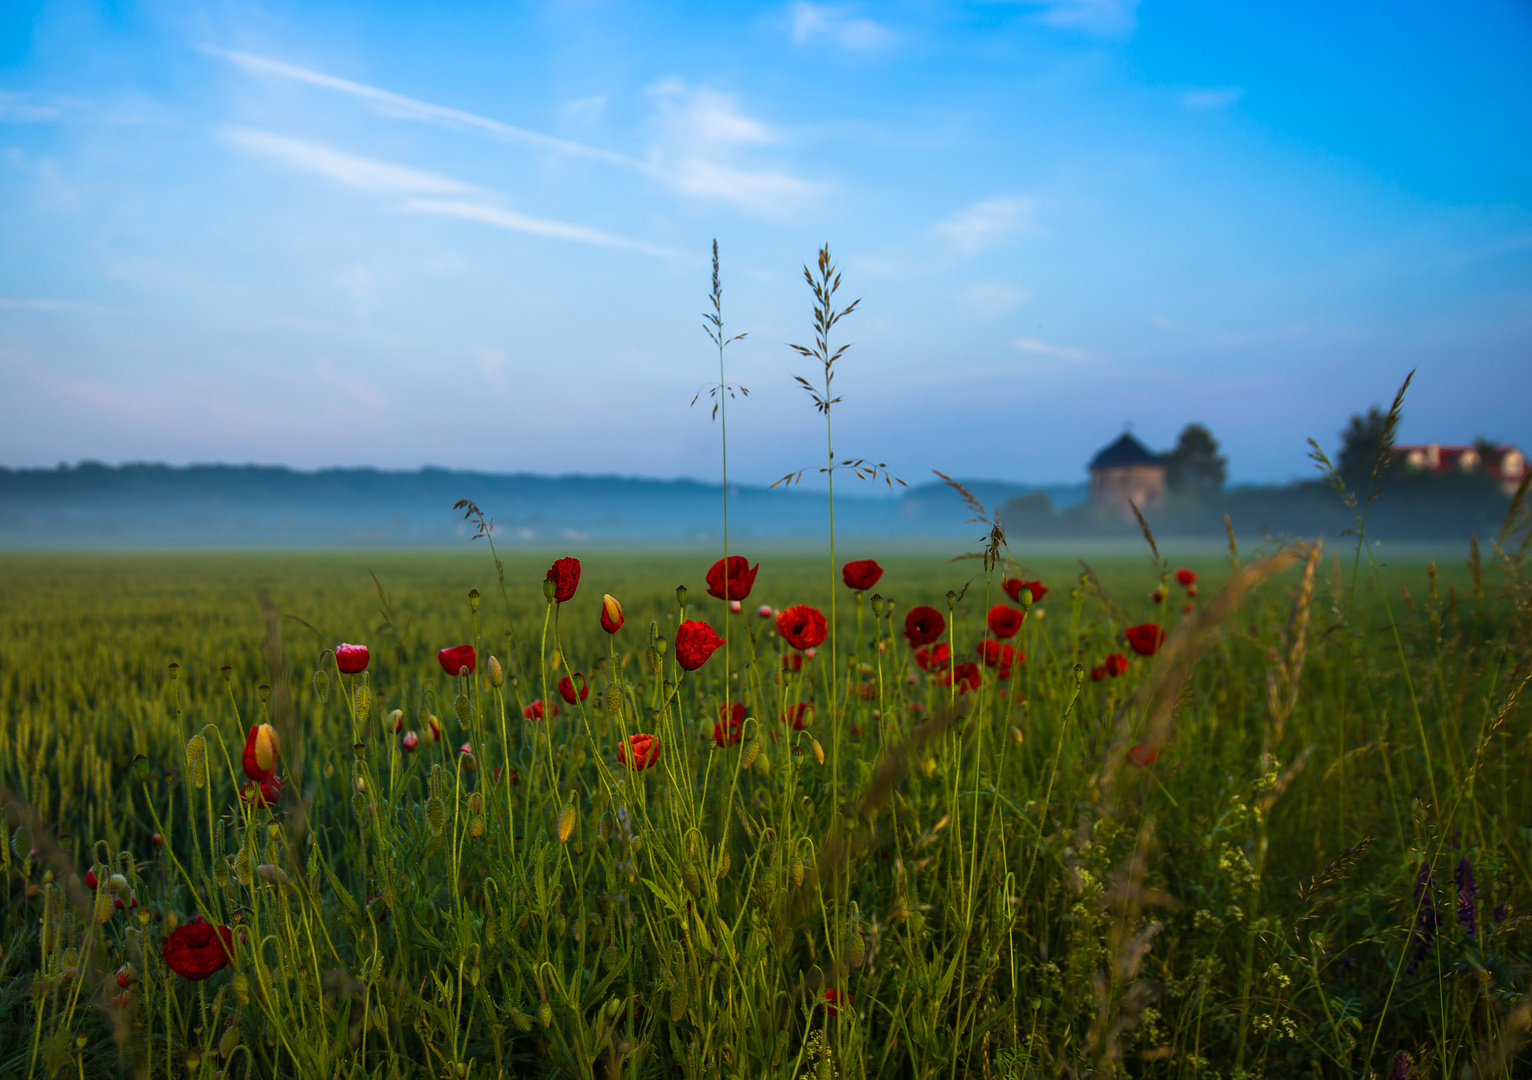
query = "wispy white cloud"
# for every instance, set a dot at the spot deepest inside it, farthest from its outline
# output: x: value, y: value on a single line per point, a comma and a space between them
x: 26, y: 303
x: 586, y: 109
x: 991, y: 299
x: 835, y: 23
x: 364, y: 174
x: 488, y: 214
x: 700, y: 136
x: 699, y: 131
x: 1104, y: 17
x: 1212, y: 97
x: 23, y: 109
x: 1045, y: 348
x: 400, y: 107
x: 986, y: 223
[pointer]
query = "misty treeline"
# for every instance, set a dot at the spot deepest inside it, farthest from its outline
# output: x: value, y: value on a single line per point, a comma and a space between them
x: 1408, y: 503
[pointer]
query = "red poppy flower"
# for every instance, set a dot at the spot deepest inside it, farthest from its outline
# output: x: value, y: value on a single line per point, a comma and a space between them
x: 1146, y: 638
x: 966, y: 674
x: 867, y: 691
x: 792, y: 661
x: 457, y: 658
x: 799, y: 716
x: 351, y: 659
x: 262, y: 793
x: 611, y: 614
x: 933, y: 658
x: 262, y: 749
x: 1115, y: 664
x: 861, y: 574
x: 729, y: 729
x: 695, y: 642
x: 740, y: 577
x: 565, y: 575
x: 1188, y: 608
x: 534, y: 711
x: 1005, y: 620
x: 1143, y: 755
x: 995, y: 654
x: 834, y: 997
x: 923, y: 625
x: 1186, y: 577
x: 645, y: 751
x: 1098, y: 673
x: 1013, y: 587
x: 802, y: 626
x: 196, y: 949
x: 567, y: 688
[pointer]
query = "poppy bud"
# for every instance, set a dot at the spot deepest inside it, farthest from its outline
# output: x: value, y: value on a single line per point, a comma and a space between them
x: 679, y: 1000
x: 522, y: 1021
x: 463, y: 708
x: 196, y: 761
x: 410, y: 740
x: 566, y: 822
x: 228, y: 1042
x: 612, y: 958
x: 126, y: 976
x: 496, y: 673
x: 90, y: 879
x: 117, y: 884
x: 475, y: 831
x: 752, y: 751
x: 436, y: 815
x: 611, y: 614
x: 796, y: 872
x: 545, y: 1013
x: 655, y: 658
x: 613, y: 696
x: 690, y: 880
x: 363, y: 701
x: 242, y: 988
x: 104, y: 907
x: 321, y: 685
x: 856, y: 948
x: 393, y: 723
x: 140, y: 768
x: 819, y: 751
x: 764, y: 611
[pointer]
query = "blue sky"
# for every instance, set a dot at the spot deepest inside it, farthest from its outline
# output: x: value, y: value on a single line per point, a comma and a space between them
x: 476, y: 234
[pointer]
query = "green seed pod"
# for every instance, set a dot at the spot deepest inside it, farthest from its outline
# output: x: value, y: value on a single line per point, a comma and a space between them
x: 612, y: 958
x: 476, y: 829
x: 691, y: 880
x: 545, y: 1013
x: 21, y: 841
x: 613, y: 694
x: 856, y: 948
x: 679, y: 1000
x: 797, y: 872
x: 464, y: 709
x: 522, y: 1021
x: 321, y: 685
x: 140, y: 768
x: 566, y: 822
x: 117, y: 884
x: 606, y: 827
x: 613, y: 1007
x: 436, y: 815
x: 196, y: 761
x: 242, y: 988
x: 363, y: 702
x: 752, y: 752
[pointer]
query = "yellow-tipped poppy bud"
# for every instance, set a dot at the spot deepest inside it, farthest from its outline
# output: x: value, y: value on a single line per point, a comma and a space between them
x: 752, y: 752
x: 566, y: 822
x: 496, y: 673
x: 611, y: 614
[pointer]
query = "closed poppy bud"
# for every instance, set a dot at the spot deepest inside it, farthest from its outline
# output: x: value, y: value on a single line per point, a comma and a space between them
x: 611, y: 614
x: 126, y: 976
x: 752, y: 751
x: 351, y: 659
x: 262, y: 748
x: 764, y: 611
x: 1186, y: 577
x: 566, y: 822
x: 410, y: 740
x: 613, y: 698
x: 819, y: 751
x: 1191, y: 590
x: 496, y: 673
x: 545, y: 1013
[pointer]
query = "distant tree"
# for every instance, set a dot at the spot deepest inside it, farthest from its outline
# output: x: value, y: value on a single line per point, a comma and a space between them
x: 1027, y: 515
x: 1361, y: 442
x: 1195, y: 467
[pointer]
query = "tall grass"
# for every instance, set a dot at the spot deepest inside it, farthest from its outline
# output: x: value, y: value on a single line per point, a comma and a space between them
x: 1093, y: 917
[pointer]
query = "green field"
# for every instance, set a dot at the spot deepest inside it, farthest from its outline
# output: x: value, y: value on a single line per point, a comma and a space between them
x: 1327, y: 862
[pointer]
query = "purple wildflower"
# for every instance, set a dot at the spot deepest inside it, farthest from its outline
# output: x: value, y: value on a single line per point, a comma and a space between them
x: 1468, y: 892
x: 1425, y: 917
x: 1402, y: 1063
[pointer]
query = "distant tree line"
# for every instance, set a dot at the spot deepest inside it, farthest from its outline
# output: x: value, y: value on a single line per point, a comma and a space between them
x: 1414, y: 504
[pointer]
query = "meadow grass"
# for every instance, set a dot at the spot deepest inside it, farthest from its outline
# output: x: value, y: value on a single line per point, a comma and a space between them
x: 1325, y: 864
